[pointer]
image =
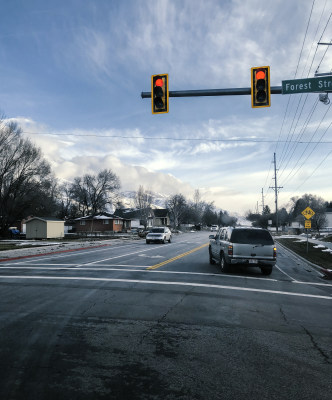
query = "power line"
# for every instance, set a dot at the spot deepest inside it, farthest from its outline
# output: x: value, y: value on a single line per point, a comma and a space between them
x: 311, y: 142
x: 330, y: 152
x: 245, y: 140
x: 298, y: 63
x: 305, y: 36
x: 304, y: 127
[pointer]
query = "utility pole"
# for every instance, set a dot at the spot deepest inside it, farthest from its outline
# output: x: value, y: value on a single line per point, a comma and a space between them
x: 262, y: 202
x: 276, y: 189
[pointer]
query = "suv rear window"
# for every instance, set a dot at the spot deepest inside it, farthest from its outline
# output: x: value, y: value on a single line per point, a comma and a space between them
x: 251, y: 236
x: 158, y: 230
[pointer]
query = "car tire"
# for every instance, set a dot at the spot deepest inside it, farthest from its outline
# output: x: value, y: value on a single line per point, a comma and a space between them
x: 164, y: 240
x: 148, y: 241
x: 266, y: 270
x: 224, y: 266
x: 170, y: 239
x: 211, y: 258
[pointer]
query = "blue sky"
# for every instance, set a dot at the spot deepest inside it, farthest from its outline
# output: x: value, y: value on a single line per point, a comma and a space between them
x: 72, y: 73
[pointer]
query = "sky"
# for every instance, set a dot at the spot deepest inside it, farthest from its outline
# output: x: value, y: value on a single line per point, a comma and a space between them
x: 72, y: 73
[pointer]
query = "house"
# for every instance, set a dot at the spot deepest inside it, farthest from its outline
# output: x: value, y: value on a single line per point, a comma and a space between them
x: 102, y: 223
x: 44, y: 228
x: 161, y: 217
x: 328, y: 214
x: 135, y: 217
x: 153, y: 217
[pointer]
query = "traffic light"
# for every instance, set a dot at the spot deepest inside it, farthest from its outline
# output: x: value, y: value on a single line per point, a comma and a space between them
x: 159, y: 93
x: 260, y: 87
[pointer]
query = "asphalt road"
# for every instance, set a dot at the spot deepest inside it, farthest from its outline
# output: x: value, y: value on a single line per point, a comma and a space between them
x: 137, y: 321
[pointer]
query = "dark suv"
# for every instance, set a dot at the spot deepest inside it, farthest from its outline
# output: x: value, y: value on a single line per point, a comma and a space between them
x: 245, y: 246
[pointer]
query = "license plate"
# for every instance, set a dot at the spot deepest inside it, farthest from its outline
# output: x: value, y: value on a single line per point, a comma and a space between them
x: 253, y: 261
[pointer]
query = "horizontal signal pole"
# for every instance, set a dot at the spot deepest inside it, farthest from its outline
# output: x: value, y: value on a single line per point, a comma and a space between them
x: 213, y: 92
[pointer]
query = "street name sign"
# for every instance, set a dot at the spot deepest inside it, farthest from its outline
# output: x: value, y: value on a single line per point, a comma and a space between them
x: 319, y: 84
x: 308, y: 213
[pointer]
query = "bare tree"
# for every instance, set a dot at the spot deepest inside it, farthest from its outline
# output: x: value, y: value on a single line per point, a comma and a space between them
x: 26, y: 183
x: 143, y: 201
x: 94, y: 193
x: 177, y: 206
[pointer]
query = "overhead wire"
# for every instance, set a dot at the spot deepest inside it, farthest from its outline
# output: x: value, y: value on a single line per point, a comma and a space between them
x: 289, y: 96
x: 244, y: 140
x: 310, y: 142
x: 305, y: 125
x: 315, y: 105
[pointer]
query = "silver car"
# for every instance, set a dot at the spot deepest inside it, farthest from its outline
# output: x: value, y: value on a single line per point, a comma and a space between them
x: 160, y: 234
x: 245, y: 246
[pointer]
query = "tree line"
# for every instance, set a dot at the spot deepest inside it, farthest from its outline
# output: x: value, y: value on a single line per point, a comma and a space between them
x: 294, y: 214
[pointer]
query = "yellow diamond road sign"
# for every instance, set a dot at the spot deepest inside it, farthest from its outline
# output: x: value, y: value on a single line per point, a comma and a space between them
x: 308, y: 213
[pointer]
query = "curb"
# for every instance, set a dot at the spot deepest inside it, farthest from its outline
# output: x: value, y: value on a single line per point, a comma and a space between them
x: 52, y: 252
x: 327, y: 273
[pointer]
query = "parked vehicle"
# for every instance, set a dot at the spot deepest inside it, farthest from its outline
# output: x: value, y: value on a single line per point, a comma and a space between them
x: 214, y: 228
x: 143, y: 233
x: 159, y: 234
x: 245, y: 246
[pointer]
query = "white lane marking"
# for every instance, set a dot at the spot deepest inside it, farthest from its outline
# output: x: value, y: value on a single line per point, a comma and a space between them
x: 147, y: 256
x: 144, y: 282
x: 33, y: 260
x: 103, y: 268
x: 67, y: 253
x: 112, y: 258
x: 313, y: 283
x: 290, y: 277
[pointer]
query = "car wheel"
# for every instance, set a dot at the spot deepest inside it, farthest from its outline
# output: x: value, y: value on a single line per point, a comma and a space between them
x: 164, y: 240
x: 170, y: 239
x: 224, y: 266
x: 266, y: 270
x: 211, y: 258
x: 148, y: 241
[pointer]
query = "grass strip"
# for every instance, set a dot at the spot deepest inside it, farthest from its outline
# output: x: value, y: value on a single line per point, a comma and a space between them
x: 316, y: 256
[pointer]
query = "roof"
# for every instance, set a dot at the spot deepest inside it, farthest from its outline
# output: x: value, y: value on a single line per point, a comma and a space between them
x: 100, y: 217
x: 160, y: 212
x: 128, y: 213
x: 45, y: 219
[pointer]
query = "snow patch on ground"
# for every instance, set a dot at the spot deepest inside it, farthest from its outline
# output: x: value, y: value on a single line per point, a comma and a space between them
x: 42, y: 247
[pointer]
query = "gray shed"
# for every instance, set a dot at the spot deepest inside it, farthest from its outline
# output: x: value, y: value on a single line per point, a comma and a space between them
x: 45, y: 228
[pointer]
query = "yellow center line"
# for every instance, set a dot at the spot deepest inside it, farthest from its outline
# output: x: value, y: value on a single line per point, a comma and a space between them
x: 177, y: 257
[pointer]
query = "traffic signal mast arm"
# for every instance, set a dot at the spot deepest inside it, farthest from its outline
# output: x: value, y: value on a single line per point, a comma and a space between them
x: 213, y: 92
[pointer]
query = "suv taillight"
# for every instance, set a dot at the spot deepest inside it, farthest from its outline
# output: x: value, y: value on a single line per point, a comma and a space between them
x: 274, y: 252
x: 230, y: 250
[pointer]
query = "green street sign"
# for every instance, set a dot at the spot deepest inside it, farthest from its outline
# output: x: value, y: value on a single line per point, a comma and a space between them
x: 319, y: 84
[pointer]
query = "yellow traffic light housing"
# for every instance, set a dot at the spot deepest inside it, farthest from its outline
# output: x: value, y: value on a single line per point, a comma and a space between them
x: 260, y: 87
x: 159, y: 94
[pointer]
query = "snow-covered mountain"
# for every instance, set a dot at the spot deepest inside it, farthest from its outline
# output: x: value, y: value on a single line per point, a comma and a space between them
x: 128, y: 199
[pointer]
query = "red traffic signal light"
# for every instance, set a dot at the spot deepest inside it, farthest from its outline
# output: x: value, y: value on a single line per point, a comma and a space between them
x: 159, y: 93
x: 260, y: 87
